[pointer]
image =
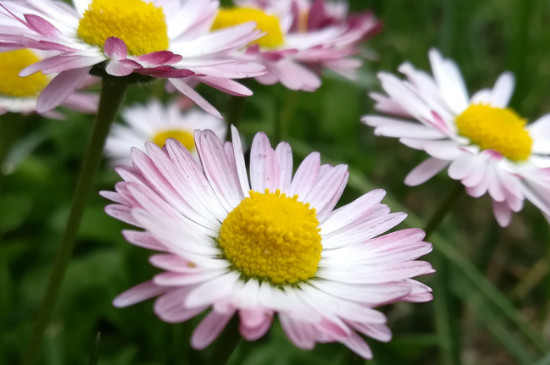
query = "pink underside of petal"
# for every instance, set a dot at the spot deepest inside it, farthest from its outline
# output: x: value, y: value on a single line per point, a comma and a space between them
x: 41, y: 26
x: 425, y: 171
x: 503, y: 213
x: 420, y: 292
x: 159, y: 58
x: 387, y: 105
x: 120, y: 68
x: 165, y: 72
x: 301, y: 334
x: 82, y: 102
x: 60, y: 88
x: 254, y: 324
x: 379, y: 332
x: 169, y: 307
x: 115, y: 48
x: 143, y: 239
x: 355, y: 343
x: 209, y: 329
x: 226, y: 85
x: 188, y: 91
x: 138, y: 294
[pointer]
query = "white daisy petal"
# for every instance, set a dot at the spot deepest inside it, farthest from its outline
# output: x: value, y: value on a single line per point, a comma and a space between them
x: 503, y: 89
x: 449, y: 81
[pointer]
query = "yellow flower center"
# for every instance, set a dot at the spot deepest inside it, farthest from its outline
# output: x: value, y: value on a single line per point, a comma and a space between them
x: 266, y: 23
x: 141, y: 25
x: 272, y: 237
x: 502, y: 130
x: 183, y: 137
x: 11, y: 84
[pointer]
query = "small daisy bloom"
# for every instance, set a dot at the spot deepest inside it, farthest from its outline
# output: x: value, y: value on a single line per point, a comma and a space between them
x: 265, y: 243
x: 482, y: 142
x: 301, y: 37
x: 158, y: 38
x: 156, y: 123
x: 20, y: 94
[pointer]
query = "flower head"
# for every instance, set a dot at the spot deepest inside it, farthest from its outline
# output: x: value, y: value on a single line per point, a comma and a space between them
x: 484, y: 144
x: 159, y: 38
x: 156, y: 123
x: 20, y: 94
x: 301, y: 37
x: 265, y: 243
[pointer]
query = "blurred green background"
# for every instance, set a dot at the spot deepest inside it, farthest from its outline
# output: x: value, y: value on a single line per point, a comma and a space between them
x: 499, y: 279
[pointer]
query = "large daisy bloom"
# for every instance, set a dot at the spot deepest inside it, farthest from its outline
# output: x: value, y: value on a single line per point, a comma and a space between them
x: 482, y: 142
x: 265, y: 242
x: 156, y: 122
x: 157, y: 38
x: 302, y: 37
x: 20, y: 94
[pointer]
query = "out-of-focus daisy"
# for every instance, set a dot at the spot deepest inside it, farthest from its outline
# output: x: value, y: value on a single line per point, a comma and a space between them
x: 265, y: 243
x: 484, y: 144
x: 301, y: 38
x: 159, y: 38
x: 20, y: 94
x: 156, y: 123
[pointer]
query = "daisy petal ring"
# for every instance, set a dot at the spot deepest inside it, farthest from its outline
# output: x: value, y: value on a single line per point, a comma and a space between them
x: 265, y: 242
x: 483, y: 143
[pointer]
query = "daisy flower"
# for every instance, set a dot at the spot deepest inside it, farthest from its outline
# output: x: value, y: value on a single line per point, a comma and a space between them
x: 156, y: 122
x: 159, y: 38
x: 301, y: 37
x: 483, y: 143
x: 20, y: 94
x: 265, y: 243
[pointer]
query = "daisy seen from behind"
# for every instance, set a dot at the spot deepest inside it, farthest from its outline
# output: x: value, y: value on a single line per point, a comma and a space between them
x: 302, y: 37
x: 483, y: 143
x: 169, y: 39
x: 265, y: 242
x: 20, y: 94
x: 156, y: 122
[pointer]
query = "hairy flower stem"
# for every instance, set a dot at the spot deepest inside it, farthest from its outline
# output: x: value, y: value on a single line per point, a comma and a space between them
x: 226, y: 344
x: 112, y: 95
x: 445, y: 309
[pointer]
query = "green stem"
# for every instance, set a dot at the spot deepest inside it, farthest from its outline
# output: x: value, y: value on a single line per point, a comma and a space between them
x: 444, y: 208
x: 112, y: 95
x: 286, y: 115
x: 226, y: 344
x: 445, y: 306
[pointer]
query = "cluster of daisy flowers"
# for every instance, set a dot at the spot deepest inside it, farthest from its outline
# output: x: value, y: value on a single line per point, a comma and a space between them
x: 185, y: 42
x: 260, y: 241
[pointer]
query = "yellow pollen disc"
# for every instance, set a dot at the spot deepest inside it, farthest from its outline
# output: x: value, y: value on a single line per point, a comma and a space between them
x: 272, y: 237
x: 141, y: 25
x: 183, y: 137
x: 266, y: 23
x: 502, y: 130
x: 11, y: 84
